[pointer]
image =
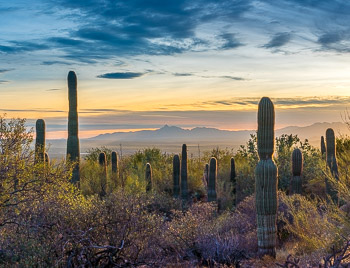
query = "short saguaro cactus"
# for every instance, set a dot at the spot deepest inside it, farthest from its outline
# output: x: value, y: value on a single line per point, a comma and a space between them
x: 297, y: 168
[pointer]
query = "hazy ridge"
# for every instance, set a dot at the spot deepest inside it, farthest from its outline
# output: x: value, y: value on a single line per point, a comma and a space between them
x: 170, y: 138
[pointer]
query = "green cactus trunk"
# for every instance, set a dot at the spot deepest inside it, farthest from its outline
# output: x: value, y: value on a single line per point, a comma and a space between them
x: 206, y: 174
x: 73, y: 148
x: 332, y: 164
x: 103, y: 179
x: 297, y: 168
x: 114, y: 160
x: 323, y: 148
x: 148, y: 177
x: 184, y: 187
x: 176, y: 176
x: 40, y: 141
x: 266, y: 180
x: 233, y: 180
x: 213, y: 168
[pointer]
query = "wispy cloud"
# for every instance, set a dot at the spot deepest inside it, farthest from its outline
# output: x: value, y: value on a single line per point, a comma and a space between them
x: 278, y: 40
x: 5, y: 70
x: 126, y: 75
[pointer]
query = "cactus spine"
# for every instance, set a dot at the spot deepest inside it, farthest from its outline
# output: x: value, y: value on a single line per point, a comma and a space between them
x: 233, y: 179
x: 331, y: 163
x: 266, y: 180
x: 297, y: 168
x: 40, y: 141
x: 176, y: 176
x: 323, y: 147
x: 148, y: 177
x: 184, y: 187
x: 103, y: 164
x: 73, y: 149
x: 114, y: 160
x: 213, y: 168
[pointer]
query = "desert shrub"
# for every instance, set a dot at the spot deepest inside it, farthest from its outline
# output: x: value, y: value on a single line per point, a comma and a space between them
x: 315, y: 225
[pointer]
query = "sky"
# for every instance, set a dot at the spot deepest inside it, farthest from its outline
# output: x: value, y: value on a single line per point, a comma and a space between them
x: 142, y: 64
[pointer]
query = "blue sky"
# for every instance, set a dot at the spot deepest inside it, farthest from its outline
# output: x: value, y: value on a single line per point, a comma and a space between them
x: 143, y: 64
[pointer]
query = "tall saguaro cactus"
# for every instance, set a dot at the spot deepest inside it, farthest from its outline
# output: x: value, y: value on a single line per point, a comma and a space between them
x: 148, y: 177
x: 73, y: 148
x: 184, y: 187
x: 331, y: 163
x: 40, y: 141
x: 176, y: 176
x: 297, y: 168
x: 331, y: 152
x: 233, y: 179
x: 266, y: 180
x: 213, y: 169
x: 102, y: 160
x: 114, y: 160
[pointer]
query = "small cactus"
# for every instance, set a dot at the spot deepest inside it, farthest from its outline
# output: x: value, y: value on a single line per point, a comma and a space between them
x: 297, y: 168
x: 332, y: 164
x: 176, y: 176
x: 233, y: 179
x: 266, y: 180
x: 40, y: 141
x: 103, y: 164
x: 184, y: 187
x: 323, y: 147
x: 73, y: 148
x: 148, y: 177
x: 206, y: 174
x: 114, y: 160
x: 212, y: 180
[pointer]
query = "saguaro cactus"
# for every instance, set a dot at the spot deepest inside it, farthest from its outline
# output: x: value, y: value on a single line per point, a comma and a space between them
x: 331, y: 163
x: 184, y: 187
x: 102, y: 160
x: 148, y: 177
x: 206, y: 174
x: 213, y: 168
x: 176, y: 176
x: 323, y: 147
x: 233, y: 179
x: 40, y: 141
x: 266, y: 180
x: 73, y: 148
x: 114, y: 160
x: 297, y: 168
x: 331, y: 152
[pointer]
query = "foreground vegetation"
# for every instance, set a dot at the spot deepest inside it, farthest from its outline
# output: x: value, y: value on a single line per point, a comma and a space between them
x: 46, y: 221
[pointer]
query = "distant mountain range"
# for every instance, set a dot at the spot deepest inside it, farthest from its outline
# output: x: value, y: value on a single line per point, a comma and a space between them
x: 170, y: 134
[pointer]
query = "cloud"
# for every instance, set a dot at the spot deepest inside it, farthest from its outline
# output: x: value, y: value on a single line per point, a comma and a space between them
x: 329, y: 38
x: 55, y: 62
x: 236, y: 78
x: 287, y: 103
x: 106, y: 28
x: 278, y: 40
x: 53, y: 89
x: 5, y: 70
x: 230, y: 41
x: 126, y: 75
x: 3, y: 81
x: 22, y: 46
x: 183, y: 74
